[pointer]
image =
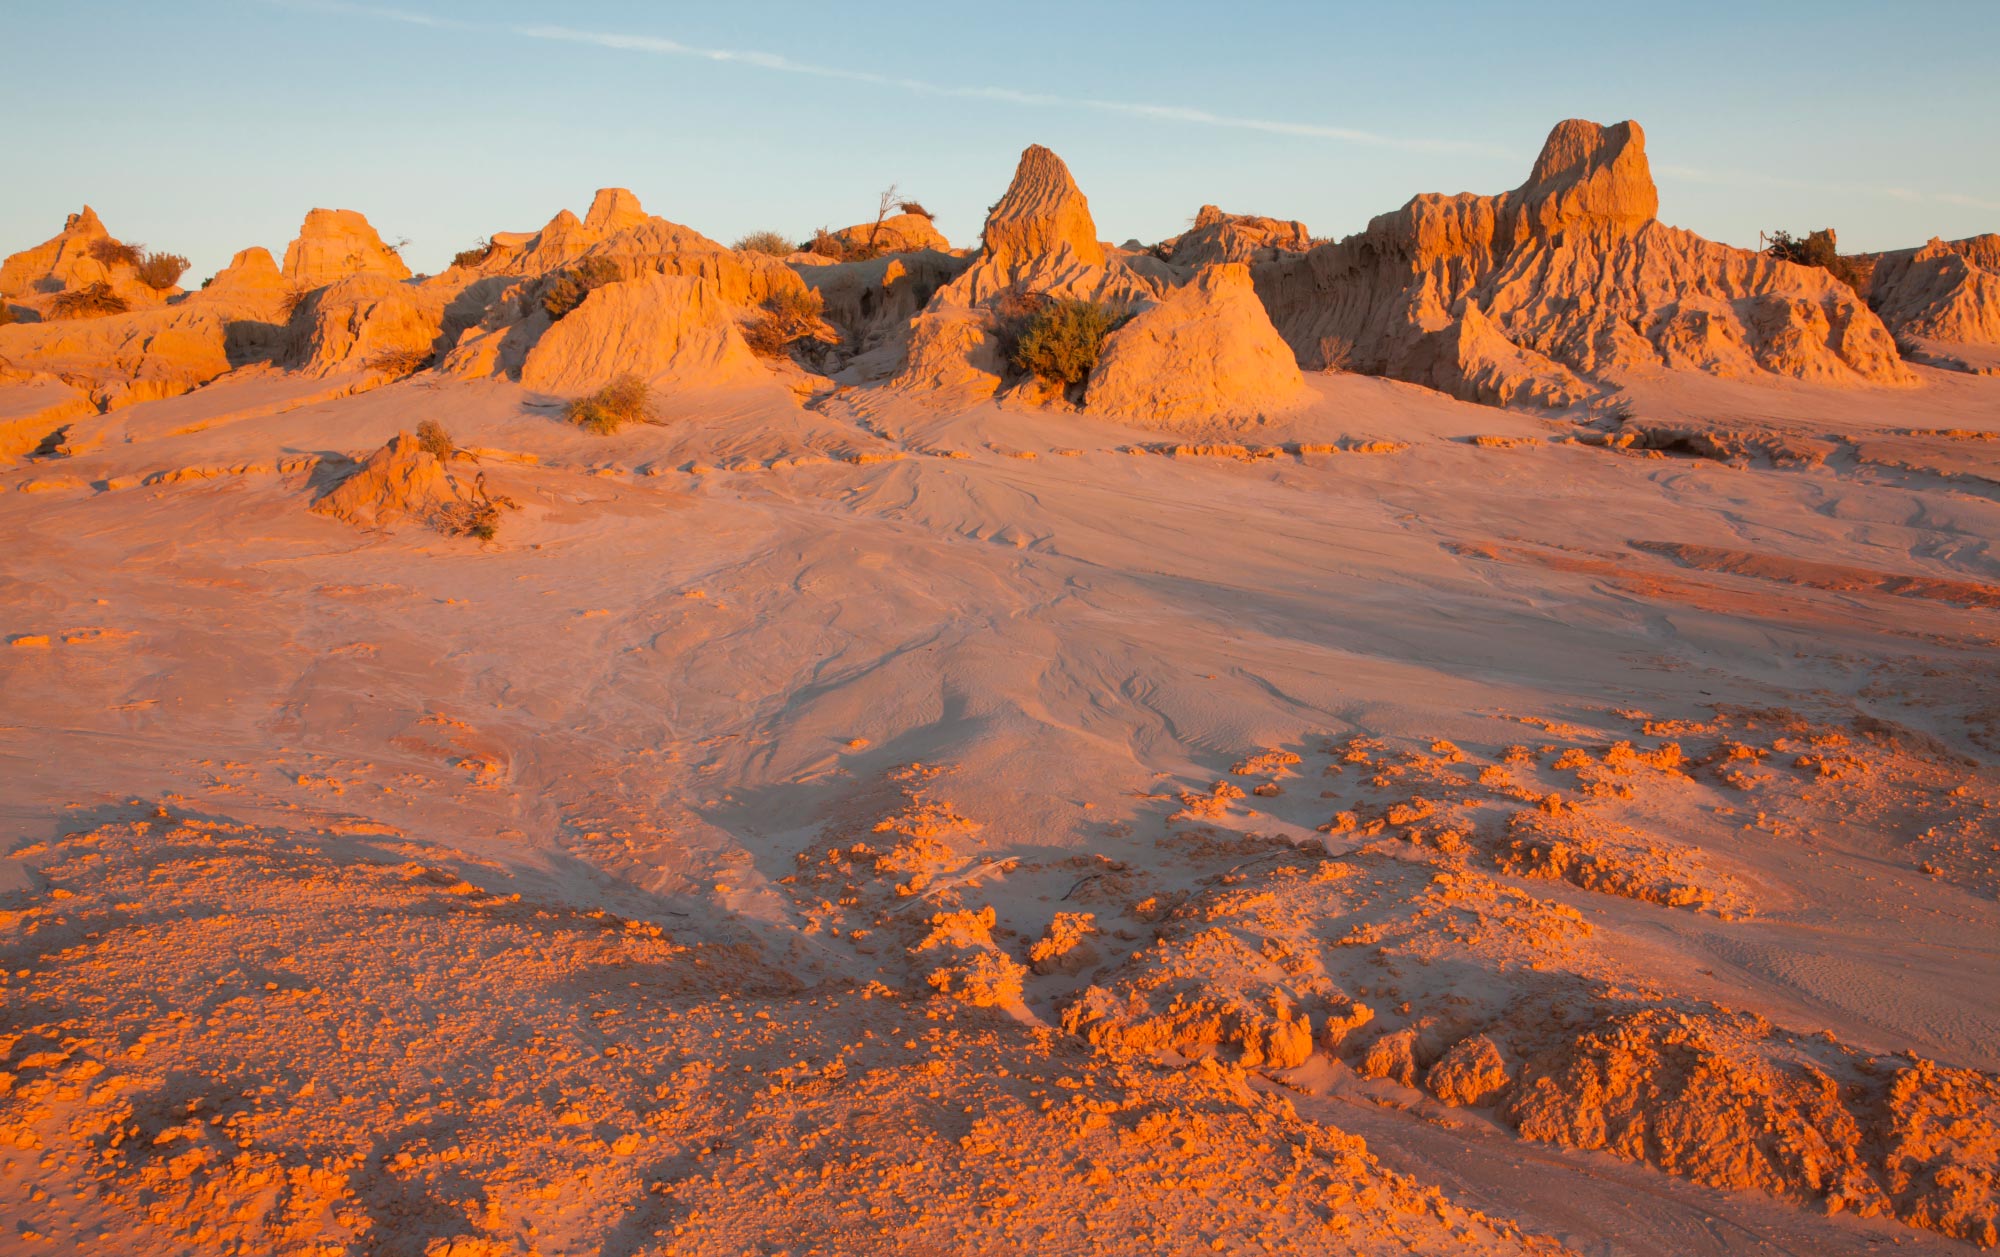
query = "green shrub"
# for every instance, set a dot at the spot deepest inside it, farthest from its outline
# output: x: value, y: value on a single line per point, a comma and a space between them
x: 110, y: 252
x: 766, y: 242
x: 435, y: 440
x: 161, y: 271
x: 567, y: 290
x: 475, y: 255
x: 789, y: 315
x: 624, y: 400
x: 86, y: 303
x: 1818, y: 248
x: 1060, y: 340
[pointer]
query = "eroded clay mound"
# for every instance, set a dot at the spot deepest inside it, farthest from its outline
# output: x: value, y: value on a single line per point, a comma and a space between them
x: 1946, y: 292
x: 121, y: 359
x: 1206, y: 352
x: 335, y: 243
x: 1562, y: 287
x: 666, y: 329
x: 70, y: 260
x: 365, y: 320
x: 401, y: 481
x: 1044, y: 215
x: 1219, y: 237
x: 898, y: 233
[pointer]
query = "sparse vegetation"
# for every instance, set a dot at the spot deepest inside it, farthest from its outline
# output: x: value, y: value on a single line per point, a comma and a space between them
x: 399, y: 362
x: 109, y: 252
x: 624, y: 400
x: 294, y: 298
x: 1059, y: 341
x: 6, y: 314
x: 475, y: 255
x: 436, y: 441
x: 1818, y: 248
x: 567, y: 291
x: 87, y: 303
x: 766, y: 242
x: 913, y: 207
x: 161, y: 271
x: 788, y: 316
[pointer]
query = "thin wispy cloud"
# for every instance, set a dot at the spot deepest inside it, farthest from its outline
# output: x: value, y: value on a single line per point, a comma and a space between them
x: 777, y: 63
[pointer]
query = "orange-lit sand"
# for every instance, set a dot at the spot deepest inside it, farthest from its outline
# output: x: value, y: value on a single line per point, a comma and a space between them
x: 907, y: 811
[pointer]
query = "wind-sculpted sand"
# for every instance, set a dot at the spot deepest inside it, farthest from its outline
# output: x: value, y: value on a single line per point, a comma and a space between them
x: 884, y: 804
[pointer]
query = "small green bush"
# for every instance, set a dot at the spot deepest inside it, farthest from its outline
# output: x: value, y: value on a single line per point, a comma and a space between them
x: 435, y: 440
x: 87, y: 303
x: 789, y: 315
x: 766, y: 242
x: 567, y: 291
x: 1818, y: 248
x: 110, y: 252
x: 624, y: 400
x: 1060, y: 341
x: 161, y: 271
x: 475, y: 255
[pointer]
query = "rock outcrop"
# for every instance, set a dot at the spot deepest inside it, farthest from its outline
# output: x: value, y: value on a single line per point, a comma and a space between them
x: 1219, y: 237
x: 898, y: 233
x: 1205, y: 352
x: 1946, y: 292
x: 1557, y: 290
x: 403, y: 481
x: 333, y: 244
x: 71, y: 259
x: 365, y: 318
x: 1039, y: 240
x: 669, y: 330
x: 121, y: 359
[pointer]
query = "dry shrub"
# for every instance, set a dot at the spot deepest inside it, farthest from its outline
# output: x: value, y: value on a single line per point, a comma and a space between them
x: 478, y: 518
x: 567, y: 290
x: 913, y: 207
x: 788, y: 316
x: 6, y: 314
x: 1819, y: 248
x: 765, y: 242
x: 624, y: 400
x: 161, y: 271
x: 1060, y: 340
x: 398, y: 361
x: 475, y: 255
x: 87, y: 303
x: 111, y: 252
x: 435, y: 440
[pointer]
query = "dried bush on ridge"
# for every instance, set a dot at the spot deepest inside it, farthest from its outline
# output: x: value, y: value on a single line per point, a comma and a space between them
x: 161, y: 271
x: 475, y: 255
x: 567, y: 291
x: 1060, y: 341
x: 87, y: 303
x: 1818, y: 248
x: 435, y: 440
x: 109, y: 252
x: 624, y: 400
x: 765, y: 242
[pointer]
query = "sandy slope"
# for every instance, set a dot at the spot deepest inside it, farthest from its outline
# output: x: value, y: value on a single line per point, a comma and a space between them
x: 574, y: 892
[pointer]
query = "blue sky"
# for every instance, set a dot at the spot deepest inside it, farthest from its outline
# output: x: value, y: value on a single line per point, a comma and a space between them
x: 209, y: 125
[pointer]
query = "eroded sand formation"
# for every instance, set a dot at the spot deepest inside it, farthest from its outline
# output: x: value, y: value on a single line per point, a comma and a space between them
x: 1533, y: 789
